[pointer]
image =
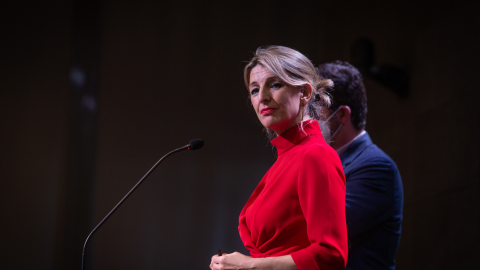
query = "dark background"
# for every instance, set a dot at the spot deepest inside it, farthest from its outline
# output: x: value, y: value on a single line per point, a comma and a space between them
x: 93, y: 93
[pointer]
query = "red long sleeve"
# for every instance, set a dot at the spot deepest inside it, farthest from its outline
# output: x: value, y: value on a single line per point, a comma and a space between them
x: 298, y: 208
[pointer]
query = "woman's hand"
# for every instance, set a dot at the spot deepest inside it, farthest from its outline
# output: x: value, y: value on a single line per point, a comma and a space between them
x: 232, y: 261
x: 238, y: 261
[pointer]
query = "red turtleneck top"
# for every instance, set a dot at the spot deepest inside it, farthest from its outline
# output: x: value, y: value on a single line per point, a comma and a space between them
x: 298, y: 208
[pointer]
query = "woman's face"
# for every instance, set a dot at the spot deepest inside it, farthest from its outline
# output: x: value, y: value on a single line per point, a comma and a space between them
x: 277, y: 104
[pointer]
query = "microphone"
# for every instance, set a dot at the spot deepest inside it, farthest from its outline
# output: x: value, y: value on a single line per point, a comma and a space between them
x: 195, y: 144
x: 192, y: 145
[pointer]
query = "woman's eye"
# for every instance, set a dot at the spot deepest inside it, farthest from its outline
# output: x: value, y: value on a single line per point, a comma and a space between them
x: 254, y: 91
x: 276, y: 85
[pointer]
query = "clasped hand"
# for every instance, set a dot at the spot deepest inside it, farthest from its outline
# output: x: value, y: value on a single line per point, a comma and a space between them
x: 231, y: 261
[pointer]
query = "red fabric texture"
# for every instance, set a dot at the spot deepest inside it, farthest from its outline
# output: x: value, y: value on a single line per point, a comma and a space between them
x: 298, y: 208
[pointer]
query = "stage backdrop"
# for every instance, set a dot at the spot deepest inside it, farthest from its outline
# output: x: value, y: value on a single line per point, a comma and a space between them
x: 162, y: 73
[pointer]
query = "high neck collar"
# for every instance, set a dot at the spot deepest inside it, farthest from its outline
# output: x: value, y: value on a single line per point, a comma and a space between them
x: 295, y: 135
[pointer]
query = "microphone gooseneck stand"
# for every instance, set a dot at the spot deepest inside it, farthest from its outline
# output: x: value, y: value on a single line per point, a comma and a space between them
x: 192, y: 145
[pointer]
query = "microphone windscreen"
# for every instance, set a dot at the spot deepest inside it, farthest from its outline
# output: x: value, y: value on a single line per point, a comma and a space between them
x: 195, y: 144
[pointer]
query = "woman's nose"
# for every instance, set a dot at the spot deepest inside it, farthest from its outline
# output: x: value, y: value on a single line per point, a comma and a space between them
x: 265, y: 95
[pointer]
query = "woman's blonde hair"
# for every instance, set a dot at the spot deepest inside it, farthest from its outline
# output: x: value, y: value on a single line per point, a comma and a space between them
x: 293, y: 68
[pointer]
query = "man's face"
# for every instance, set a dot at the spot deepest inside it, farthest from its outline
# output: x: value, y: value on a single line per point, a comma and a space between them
x: 334, y: 122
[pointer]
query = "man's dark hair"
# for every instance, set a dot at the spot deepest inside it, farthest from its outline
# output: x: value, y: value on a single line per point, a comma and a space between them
x: 348, y: 90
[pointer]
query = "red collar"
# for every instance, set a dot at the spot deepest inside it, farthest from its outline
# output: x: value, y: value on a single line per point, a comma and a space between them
x: 295, y: 135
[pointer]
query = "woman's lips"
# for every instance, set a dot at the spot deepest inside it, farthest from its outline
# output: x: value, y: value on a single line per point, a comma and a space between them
x: 267, y: 110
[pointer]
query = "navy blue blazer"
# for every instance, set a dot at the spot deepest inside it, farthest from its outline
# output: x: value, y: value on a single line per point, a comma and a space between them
x: 373, y: 205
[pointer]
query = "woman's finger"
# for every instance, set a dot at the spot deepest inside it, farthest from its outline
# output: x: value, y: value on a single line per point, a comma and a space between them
x: 216, y: 258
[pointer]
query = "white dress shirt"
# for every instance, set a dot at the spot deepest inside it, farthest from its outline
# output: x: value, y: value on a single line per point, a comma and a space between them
x: 344, y: 147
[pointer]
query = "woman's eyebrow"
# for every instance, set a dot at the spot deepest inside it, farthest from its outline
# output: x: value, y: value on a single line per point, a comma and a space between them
x: 271, y: 78
x: 253, y: 83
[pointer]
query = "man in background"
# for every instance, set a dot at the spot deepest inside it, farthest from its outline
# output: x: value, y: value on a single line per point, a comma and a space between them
x: 374, y: 198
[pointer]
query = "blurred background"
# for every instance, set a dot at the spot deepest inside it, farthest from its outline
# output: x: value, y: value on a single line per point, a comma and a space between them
x: 95, y: 92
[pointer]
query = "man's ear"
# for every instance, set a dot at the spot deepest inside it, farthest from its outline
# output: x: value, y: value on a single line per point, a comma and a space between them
x: 344, y: 114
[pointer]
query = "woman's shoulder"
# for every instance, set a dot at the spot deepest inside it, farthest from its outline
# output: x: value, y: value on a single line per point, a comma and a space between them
x: 318, y: 159
x: 315, y: 144
x: 315, y: 148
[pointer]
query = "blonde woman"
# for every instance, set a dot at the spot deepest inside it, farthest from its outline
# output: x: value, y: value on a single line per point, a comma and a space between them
x: 295, y: 218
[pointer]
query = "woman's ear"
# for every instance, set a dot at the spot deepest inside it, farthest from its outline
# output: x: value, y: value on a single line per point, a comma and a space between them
x: 307, y: 90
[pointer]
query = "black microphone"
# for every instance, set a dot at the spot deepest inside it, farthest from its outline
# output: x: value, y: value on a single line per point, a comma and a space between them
x: 192, y: 145
x: 195, y: 144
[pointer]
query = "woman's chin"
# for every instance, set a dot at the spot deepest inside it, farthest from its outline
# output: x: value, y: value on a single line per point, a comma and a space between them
x: 277, y: 129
